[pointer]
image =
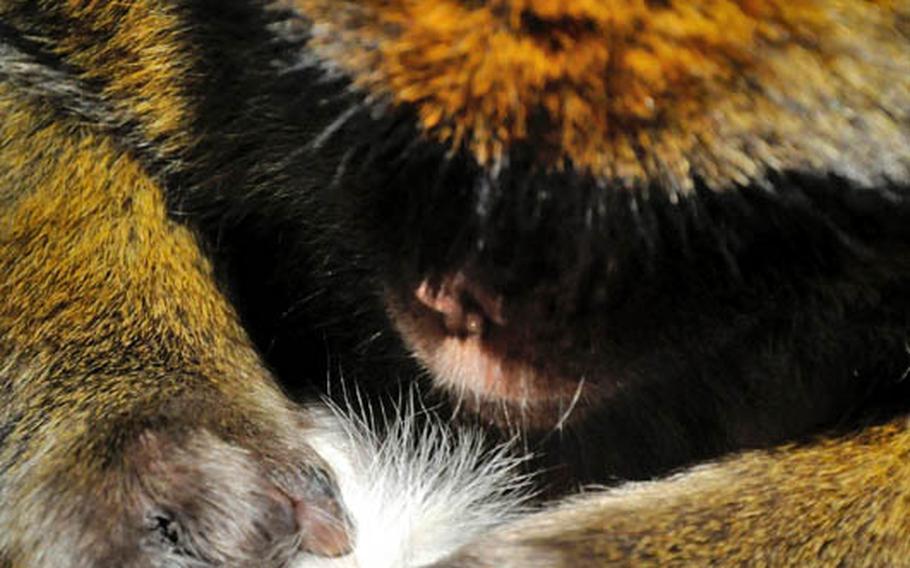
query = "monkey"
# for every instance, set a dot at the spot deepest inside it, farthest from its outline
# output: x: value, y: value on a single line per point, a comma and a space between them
x: 141, y: 426
x: 138, y: 424
x: 834, y: 502
x: 665, y: 242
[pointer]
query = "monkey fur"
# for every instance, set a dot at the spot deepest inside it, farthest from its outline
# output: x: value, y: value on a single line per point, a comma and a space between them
x: 665, y: 243
x: 417, y: 492
x: 139, y: 425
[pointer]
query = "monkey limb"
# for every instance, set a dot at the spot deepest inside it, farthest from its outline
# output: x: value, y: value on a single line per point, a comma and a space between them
x: 138, y: 426
x: 835, y: 502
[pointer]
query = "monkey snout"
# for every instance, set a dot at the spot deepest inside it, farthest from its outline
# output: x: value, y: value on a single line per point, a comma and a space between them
x: 497, y: 348
x: 466, y: 308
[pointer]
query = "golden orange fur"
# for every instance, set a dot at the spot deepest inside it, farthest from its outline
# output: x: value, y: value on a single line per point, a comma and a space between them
x: 635, y: 91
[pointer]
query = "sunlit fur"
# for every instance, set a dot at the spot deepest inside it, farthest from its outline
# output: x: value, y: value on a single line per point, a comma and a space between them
x: 190, y: 191
x: 635, y: 91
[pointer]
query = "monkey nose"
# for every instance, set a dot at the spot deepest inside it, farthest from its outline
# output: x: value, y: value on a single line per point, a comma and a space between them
x: 466, y: 308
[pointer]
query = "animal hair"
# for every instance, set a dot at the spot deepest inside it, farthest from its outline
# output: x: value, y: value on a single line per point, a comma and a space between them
x: 418, y: 492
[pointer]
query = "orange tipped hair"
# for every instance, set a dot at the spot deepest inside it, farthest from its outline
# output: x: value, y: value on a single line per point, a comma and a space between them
x: 637, y: 91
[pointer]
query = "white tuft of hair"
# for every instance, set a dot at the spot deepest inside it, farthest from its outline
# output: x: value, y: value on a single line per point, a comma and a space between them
x: 416, y: 493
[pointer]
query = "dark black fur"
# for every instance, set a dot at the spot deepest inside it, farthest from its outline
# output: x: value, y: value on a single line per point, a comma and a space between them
x: 718, y: 305
x: 742, y: 318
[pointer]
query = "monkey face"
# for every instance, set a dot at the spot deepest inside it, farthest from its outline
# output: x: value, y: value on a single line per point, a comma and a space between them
x: 565, y: 202
x: 561, y: 294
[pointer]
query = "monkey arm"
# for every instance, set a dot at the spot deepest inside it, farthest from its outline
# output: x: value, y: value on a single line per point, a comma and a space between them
x: 137, y: 424
x: 838, y: 502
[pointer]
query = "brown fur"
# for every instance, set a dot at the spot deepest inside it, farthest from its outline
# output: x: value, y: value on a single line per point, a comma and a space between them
x: 126, y: 379
x: 143, y: 63
x: 679, y: 97
x: 636, y: 91
x: 836, y: 503
x: 129, y: 393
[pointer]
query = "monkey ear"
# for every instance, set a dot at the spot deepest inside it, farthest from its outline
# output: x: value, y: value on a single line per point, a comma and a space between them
x: 325, y: 529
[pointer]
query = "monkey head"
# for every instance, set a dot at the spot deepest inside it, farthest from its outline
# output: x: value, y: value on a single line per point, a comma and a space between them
x: 699, y: 206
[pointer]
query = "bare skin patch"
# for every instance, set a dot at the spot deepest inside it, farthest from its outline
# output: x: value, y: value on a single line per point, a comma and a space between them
x: 459, y: 333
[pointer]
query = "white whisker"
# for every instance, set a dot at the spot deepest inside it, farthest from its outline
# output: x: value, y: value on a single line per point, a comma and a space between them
x: 574, y: 402
x: 419, y: 492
